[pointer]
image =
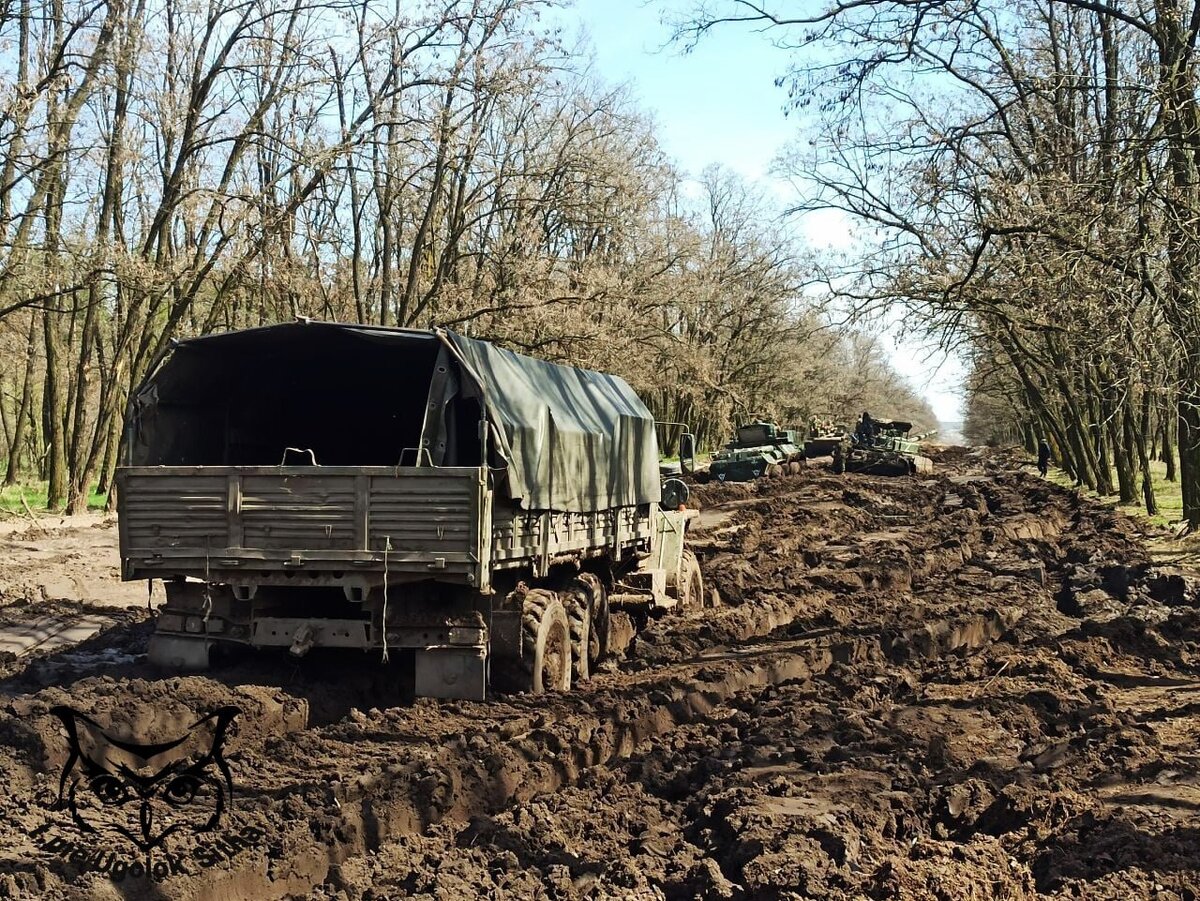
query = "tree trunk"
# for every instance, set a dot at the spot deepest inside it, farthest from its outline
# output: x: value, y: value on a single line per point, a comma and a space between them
x: 52, y: 414
x: 108, y: 463
x: 1168, y: 445
x: 25, y: 408
x: 1138, y: 437
x: 1126, y: 490
x: 1189, y: 453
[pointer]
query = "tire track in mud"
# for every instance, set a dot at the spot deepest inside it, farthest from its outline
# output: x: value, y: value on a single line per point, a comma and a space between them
x: 484, y: 771
x: 369, y: 789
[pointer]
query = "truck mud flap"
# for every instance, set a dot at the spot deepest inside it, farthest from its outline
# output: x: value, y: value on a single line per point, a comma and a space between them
x: 505, y: 634
x: 449, y: 672
x: 179, y: 653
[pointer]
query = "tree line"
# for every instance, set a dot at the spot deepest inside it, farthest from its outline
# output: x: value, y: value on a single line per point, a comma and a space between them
x: 170, y: 169
x: 1027, y: 178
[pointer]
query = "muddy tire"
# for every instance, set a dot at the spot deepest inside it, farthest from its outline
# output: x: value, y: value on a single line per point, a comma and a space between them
x: 598, y: 628
x: 546, y: 644
x: 839, y: 464
x: 774, y: 471
x: 691, y: 582
x: 794, y: 468
x: 576, y: 601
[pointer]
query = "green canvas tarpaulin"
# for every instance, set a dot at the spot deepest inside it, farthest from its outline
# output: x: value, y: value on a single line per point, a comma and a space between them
x: 563, y: 438
x: 576, y: 439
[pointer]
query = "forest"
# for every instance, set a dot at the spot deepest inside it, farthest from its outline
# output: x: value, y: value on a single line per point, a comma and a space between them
x: 1028, y: 173
x: 172, y: 168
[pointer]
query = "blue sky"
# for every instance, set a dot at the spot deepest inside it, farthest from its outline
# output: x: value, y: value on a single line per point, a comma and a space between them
x: 719, y: 104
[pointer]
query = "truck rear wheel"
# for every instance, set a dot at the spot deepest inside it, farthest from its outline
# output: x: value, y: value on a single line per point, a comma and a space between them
x: 576, y: 601
x: 691, y: 582
x: 597, y: 647
x: 546, y: 643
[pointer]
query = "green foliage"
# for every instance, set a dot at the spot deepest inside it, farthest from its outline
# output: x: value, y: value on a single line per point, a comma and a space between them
x: 1168, y: 495
x: 34, y: 494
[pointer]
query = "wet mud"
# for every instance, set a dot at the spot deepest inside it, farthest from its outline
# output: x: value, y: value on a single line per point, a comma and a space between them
x: 967, y: 685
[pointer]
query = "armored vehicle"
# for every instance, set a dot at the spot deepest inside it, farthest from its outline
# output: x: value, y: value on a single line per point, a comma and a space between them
x: 760, y: 449
x: 823, y: 437
x: 881, y: 447
x: 414, y: 493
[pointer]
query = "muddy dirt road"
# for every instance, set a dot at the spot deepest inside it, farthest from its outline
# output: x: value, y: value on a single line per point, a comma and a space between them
x: 971, y: 685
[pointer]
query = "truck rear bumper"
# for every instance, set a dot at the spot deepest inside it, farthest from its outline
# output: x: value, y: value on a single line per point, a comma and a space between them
x: 300, y: 633
x: 458, y: 672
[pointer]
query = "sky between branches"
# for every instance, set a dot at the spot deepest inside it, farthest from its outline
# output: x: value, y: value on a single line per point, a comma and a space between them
x: 719, y: 104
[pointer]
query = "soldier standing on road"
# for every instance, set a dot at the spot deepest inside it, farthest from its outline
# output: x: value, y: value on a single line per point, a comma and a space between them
x: 1043, y: 457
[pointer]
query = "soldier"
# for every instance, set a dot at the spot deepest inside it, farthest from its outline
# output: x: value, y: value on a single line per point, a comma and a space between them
x: 1043, y: 457
x: 866, y: 430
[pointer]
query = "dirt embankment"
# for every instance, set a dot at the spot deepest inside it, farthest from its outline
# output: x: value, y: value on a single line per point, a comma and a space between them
x: 973, y: 685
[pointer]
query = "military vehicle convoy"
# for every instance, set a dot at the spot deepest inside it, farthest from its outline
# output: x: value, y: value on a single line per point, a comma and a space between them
x: 761, y: 449
x: 881, y: 447
x: 413, y: 493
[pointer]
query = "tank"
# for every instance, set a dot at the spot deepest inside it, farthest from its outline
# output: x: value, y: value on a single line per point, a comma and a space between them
x: 760, y: 449
x: 882, y: 447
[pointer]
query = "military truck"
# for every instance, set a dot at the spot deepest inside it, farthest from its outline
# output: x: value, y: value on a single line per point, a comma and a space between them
x: 761, y: 449
x: 412, y: 493
x: 882, y: 447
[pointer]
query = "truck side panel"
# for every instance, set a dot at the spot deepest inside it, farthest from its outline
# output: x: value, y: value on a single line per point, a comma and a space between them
x: 520, y: 538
